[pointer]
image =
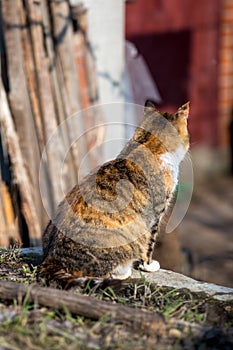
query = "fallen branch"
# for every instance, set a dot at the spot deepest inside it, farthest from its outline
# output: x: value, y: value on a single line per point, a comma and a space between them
x: 146, y: 321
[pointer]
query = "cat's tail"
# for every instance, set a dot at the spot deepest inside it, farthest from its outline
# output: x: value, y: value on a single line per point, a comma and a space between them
x: 52, y: 273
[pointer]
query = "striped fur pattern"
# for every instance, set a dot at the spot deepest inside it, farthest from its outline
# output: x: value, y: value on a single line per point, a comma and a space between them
x: 110, y: 220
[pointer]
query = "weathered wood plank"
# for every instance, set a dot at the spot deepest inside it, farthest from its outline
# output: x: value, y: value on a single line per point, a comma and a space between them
x: 69, y: 80
x: 22, y: 113
x: 8, y: 229
x: 70, y: 173
x: 45, y: 95
x: 31, y: 76
x: 19, y: 171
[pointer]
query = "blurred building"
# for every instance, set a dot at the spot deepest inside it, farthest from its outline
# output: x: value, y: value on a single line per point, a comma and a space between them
x: 188, y: 46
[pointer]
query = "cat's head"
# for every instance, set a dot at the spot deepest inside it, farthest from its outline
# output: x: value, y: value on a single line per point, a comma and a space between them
x: 178, y: 119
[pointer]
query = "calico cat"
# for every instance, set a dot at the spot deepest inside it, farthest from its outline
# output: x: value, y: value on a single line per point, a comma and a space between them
x: 110, y: 220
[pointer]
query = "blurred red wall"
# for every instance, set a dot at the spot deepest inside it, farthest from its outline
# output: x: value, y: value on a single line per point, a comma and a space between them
x: 180, y: 43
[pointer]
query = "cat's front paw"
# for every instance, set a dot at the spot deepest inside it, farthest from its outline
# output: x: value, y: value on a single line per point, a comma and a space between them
x: 152, y: 267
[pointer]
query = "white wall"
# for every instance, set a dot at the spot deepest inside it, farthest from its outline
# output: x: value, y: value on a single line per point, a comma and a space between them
x: 106, y: 37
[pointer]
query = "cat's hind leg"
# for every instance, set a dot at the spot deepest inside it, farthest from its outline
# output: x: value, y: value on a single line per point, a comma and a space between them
x: 152, y: 267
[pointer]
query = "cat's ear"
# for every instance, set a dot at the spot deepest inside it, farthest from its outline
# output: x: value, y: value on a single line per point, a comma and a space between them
x: 183, y: 111
x: 149, y: 107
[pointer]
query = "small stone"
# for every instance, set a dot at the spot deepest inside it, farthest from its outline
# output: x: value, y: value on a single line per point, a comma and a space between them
x: 174, y: 333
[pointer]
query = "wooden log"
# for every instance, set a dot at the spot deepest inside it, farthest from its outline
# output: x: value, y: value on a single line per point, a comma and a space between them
x: 146, y: 321
x: 19, y: 171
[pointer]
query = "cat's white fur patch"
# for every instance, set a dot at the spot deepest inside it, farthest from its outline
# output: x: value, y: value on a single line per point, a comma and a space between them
x: 152, y: 267
x: 153, y: 222
x: 172, y: 161
x: 122, y: 272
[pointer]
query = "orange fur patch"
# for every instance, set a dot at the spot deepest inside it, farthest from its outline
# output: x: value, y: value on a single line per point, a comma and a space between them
x: 168, y: 179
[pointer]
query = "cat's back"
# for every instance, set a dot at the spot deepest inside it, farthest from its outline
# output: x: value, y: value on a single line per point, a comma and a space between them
x: 109, y: 207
